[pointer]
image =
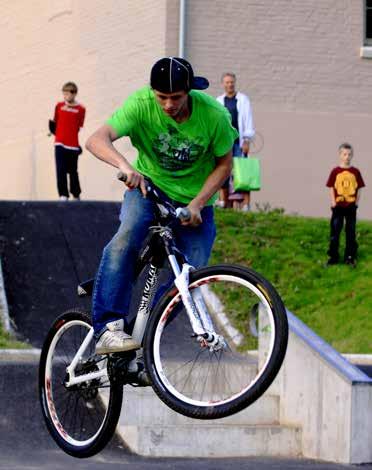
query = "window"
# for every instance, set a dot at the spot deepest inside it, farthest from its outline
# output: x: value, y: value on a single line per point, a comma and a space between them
x: 368, y: 23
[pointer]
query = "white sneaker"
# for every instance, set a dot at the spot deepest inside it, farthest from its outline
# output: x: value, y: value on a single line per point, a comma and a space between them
x: 220, y: 203
x: 246, y: 208
x: 63, y: 198
x: 114, y: 339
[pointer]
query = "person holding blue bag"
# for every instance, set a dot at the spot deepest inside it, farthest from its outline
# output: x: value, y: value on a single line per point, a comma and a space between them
x: 240, y: 109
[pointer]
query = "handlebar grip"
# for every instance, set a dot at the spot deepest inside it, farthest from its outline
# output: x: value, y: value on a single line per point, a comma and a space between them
x: 121, y: 176
x: 183, y: 214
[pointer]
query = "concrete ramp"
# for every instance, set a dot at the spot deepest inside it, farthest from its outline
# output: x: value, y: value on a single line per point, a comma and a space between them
x: 327, y: 396
x: 319, y: 407
x: 47, y: 249
x: 149, y: 427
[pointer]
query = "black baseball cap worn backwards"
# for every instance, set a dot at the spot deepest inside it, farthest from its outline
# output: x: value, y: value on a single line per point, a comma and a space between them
x: 172, y: 74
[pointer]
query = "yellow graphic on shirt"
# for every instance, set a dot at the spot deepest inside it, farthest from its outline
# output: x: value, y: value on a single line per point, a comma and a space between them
x: 346, y: 187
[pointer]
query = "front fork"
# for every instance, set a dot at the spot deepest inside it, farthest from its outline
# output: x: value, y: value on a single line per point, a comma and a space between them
x: 201, y: 321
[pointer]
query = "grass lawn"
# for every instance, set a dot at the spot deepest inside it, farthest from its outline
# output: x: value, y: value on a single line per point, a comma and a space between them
x: 7, y: 341
x: 290, y: 251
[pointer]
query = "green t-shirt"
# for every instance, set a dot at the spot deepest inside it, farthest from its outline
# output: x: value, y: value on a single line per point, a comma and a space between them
x: 178, y: 158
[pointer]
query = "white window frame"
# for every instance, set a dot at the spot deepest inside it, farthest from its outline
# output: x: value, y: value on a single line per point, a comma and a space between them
x: 366, y: 49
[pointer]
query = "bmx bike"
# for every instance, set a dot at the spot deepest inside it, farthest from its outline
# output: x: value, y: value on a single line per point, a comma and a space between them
x: 195, y: 364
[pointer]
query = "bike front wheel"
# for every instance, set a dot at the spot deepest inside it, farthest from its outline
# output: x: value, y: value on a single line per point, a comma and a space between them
x: 206, y: 382
x: 80, y: 417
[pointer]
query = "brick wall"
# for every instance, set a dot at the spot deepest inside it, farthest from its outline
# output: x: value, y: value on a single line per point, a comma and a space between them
x: 299, y: 63
x: 172, y: 25
x: 297, y: 60
x: 299, y: 55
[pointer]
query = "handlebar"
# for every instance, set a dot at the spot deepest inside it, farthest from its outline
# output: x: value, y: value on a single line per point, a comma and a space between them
x: 181, y: 213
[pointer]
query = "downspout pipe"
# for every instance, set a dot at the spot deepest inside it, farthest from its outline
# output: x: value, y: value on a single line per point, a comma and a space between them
x: 182, y: 29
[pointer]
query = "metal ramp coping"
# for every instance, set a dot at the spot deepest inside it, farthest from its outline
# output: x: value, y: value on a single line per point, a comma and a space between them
x: 341, y: 365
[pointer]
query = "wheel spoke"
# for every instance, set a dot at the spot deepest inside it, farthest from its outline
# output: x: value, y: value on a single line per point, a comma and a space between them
x: 77, y: 412
x: 200, y: 377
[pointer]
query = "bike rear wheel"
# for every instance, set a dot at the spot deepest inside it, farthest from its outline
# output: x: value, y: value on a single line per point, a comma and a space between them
x: 81, y: 418
x: 207, y: 384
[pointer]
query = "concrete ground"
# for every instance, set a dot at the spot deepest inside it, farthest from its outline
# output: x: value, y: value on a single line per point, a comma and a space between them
x: 47, y: 249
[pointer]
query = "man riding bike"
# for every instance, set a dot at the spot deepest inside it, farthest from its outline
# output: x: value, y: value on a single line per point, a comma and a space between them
x: 184, y: 140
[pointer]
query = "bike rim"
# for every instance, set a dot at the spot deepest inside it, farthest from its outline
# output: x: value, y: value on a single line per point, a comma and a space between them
x: 77, y: 417
x: 202, y: 378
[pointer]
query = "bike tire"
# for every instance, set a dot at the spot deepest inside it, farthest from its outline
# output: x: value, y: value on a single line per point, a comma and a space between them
x: 163, y: 380
x: 58, y: 402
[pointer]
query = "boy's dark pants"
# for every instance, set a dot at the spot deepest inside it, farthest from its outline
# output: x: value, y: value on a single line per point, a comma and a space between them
x: 66, y: 162
x: 337, y: 222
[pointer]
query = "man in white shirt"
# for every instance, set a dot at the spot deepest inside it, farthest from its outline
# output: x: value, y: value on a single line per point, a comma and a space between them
x: 240, y: 109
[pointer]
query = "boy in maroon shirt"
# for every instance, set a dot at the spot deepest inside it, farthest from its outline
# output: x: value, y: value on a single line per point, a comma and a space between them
x: 69, y: 118
x: 344, y: 182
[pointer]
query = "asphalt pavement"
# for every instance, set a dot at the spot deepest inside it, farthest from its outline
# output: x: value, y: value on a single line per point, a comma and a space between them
x: 25, y: 443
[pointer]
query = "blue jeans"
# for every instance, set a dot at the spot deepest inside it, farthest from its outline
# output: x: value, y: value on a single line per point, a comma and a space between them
x: 116, y: 275
x: 237, y: 151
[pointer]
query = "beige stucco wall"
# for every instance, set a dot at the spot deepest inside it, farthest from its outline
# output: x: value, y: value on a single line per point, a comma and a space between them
x: 106, y: 46
x: 298, y: 61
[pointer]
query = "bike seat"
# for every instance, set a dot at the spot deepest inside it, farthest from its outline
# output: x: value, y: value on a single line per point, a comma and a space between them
x: 85, y: 288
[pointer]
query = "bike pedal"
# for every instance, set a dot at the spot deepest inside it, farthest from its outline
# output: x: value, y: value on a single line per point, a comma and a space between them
x: 139, y: 379
x: 127, y: 355
x: 118, y: 372
x: 117, y: 366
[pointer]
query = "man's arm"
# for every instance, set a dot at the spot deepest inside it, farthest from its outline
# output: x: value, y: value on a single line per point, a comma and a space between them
x: 212, y: 184
x: 100, y: 144
x: 55, y: 118
x: 248, y: 130
x: 333, y: 199
x: 245, y: 146
x: 361, y: 185
x: 82, y: 118
x: 358, y: 197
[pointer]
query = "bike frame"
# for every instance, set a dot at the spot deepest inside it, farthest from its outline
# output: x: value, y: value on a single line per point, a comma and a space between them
x: 199, y: 317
